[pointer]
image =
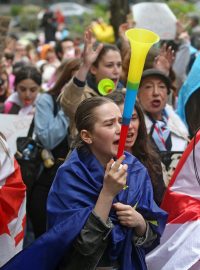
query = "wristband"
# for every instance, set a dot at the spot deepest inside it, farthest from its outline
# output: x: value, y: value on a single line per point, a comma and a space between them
x: 78, y: 83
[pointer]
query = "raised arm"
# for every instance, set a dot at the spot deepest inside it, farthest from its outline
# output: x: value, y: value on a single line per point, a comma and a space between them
x: 73, y: 92
x: 90, y: 55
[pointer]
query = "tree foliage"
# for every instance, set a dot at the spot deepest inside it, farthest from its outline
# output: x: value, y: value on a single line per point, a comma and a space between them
x: 181, y: 8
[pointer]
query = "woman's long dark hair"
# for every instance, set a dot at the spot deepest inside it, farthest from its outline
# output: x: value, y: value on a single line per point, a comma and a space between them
x: 65, y: 73
x: 142, y: 148
x: 28, y: 71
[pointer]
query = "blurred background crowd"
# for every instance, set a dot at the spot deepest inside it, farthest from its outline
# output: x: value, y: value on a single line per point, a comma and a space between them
x: 51, y: 60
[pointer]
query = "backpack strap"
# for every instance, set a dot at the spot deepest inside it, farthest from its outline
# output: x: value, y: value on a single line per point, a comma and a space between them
x: 55, y: 105
x: 31, y: 128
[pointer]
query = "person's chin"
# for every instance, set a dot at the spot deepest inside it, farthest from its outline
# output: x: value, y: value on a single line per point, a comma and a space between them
x: 114, y: 152
x: 129, y: 146
x: 155, y: 109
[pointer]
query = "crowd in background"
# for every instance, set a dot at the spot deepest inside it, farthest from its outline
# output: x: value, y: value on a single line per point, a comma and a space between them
x: 50, y: 78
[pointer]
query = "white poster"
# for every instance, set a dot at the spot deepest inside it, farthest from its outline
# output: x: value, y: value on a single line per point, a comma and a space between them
x: 156, y: 17
x: 14, y: 126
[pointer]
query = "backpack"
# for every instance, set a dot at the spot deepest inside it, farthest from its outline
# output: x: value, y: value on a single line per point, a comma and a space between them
x: 33, y: 165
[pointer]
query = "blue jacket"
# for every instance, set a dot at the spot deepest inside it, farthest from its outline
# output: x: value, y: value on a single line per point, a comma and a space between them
x: 49, y: 128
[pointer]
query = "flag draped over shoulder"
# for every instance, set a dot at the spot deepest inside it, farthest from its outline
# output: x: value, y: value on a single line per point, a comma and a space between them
x: 180, y: 243
x: 72, y: 198
x: 12, y: 205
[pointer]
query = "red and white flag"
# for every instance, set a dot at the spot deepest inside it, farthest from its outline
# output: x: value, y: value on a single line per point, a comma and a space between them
x: 180, y: 243
x: 12, y: 205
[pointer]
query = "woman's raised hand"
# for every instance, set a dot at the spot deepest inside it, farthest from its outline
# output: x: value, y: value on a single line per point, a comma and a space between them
x: 115, y: 177
x: 90, y: 53
x: 165, y: 59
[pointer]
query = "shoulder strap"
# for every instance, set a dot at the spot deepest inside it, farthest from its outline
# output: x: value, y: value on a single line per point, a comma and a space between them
x: 31, y: 128
x: 55, y: 105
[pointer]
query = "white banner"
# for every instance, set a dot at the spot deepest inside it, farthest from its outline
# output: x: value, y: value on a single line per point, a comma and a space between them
x: 156, y: 17
x: 13, y: 126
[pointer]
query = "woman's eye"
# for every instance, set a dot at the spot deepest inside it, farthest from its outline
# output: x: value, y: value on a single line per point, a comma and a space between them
x: 134, y: 118
x: 33, y: 90
x: 109, y: 124
x: 162, y: 86
x: 147, y: 86
x: 22, y: 89
x: 109, y: 66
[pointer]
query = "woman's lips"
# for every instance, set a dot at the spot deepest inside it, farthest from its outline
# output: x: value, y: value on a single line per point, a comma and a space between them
x: 130, y: 135
x: 116, y: 142
x: 115, y: 81
x: 27, y: 102
x: 155, y: 103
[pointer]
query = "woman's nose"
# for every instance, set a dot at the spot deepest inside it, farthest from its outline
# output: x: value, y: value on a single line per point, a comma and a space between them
x: 27, y: 94
x: 155, y: 90
x: 118, y: 129
x: 131, y: 125
x: 116, y: 69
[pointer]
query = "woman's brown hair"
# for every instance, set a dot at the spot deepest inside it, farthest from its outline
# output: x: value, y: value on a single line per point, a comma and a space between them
x: 104, y: 50
x: 64, y: 73
x: 142, y: 148
x: 4, y: 72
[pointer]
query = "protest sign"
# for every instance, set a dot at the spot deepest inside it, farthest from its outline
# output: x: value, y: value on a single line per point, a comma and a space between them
x: 156, y: 17
x: 13, y: 126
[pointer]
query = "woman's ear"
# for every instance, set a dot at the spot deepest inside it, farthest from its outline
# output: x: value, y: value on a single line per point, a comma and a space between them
x: 86, y: 136
x: 93, y: 70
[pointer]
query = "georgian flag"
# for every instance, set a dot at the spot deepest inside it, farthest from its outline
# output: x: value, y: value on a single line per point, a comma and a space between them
x: 12, y: 205
x: 180, y: 243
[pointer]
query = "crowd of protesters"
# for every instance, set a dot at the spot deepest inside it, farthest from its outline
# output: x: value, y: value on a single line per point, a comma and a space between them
x: 55, y: 79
